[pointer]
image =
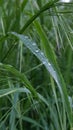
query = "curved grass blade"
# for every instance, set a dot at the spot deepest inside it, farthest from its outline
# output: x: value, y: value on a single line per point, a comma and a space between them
x: 44, y: 8
x: 5, y: 92
x: 54, y: 73
x: 20, y: 76
x: 39, y: 54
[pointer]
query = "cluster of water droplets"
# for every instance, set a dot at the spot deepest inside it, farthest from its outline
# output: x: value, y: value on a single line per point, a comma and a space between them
x: 32, y: 46
x: 40, y: 55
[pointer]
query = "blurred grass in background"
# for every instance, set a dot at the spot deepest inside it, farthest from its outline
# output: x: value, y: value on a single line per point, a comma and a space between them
x: 36, y: 67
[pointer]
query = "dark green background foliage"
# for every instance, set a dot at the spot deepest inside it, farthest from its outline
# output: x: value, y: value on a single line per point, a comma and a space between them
x: 36, y: 66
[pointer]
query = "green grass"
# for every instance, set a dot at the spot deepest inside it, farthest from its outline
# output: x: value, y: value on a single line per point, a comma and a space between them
x: 36, y: 67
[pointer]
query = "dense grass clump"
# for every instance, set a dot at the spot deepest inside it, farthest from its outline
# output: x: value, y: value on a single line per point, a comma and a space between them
x: 36, y: 67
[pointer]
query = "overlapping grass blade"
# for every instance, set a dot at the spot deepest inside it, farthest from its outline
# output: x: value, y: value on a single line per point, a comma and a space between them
x: 44, y: 8
x: 21, y: 77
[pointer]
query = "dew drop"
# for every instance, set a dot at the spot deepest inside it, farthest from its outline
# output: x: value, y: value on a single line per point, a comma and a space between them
x: 44, y: 62
x: 37, y: 51
x: 49, y: 64
x: 34, y: 44
x: 42, y: 53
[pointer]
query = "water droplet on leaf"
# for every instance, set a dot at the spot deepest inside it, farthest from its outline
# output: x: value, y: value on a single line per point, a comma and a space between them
x: 37, y: 51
